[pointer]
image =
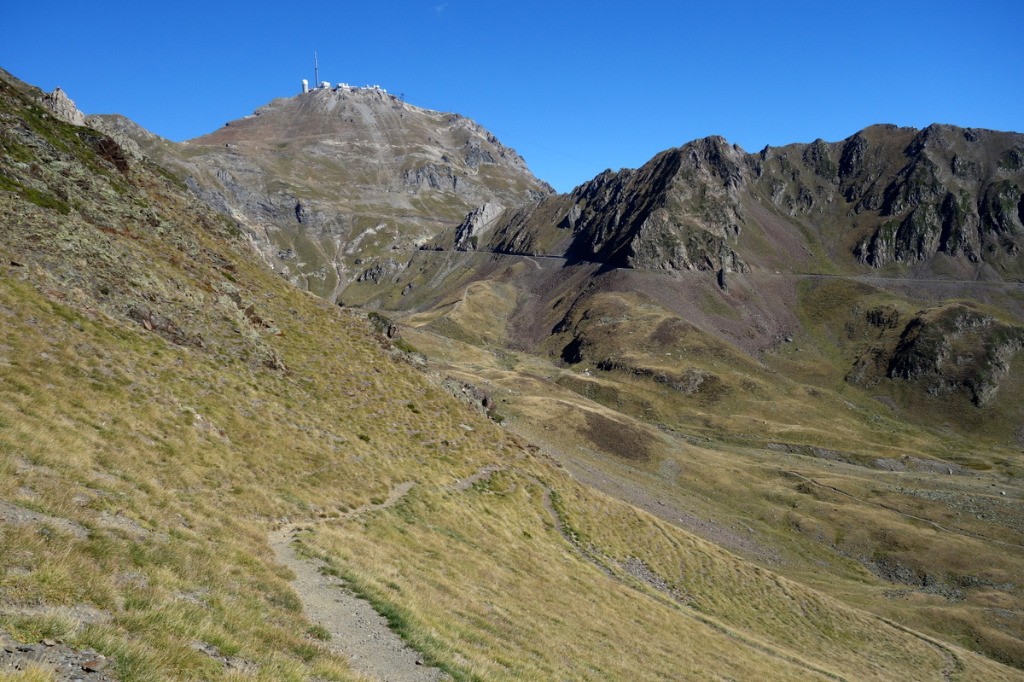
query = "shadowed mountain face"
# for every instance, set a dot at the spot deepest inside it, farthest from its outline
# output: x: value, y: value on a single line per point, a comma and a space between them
x: 329, y: 183
x: 939, y: 200
x: 679, y: 211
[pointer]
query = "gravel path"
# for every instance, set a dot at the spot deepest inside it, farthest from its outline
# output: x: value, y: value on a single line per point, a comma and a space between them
x: 357, y: 631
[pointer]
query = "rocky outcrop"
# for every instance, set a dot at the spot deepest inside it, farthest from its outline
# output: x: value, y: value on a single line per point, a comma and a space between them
x: 947, y: 350
x: 57, y: 659
x: 126, y: 132
x: 61, y: 106
x: 957, y: 348
x: 380, y: 271
x: 434, y: 176
x: 476, y: 226
x: 942, y: 357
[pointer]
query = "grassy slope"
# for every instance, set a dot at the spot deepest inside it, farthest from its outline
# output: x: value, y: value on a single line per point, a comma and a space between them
x: 834, y: 521
x: 186, y: 559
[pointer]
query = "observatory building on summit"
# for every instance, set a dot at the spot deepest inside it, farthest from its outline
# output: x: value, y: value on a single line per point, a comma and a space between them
x: 326, y: 85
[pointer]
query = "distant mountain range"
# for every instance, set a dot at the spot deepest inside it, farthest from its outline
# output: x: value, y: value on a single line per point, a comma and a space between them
x: 328, y: 178
x: 344, y: 191
x: 932, y: 202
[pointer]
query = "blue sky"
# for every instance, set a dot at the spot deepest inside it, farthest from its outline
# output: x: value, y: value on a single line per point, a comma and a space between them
x: 575, y: 87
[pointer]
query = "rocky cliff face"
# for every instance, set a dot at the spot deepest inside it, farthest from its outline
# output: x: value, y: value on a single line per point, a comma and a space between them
x: 476, y: 225
x: 331, y: 177
x: 906, y: 196
x: 680, y: 211
x: 61, y: 106
x: 951, y: 197
x: 886, y: 197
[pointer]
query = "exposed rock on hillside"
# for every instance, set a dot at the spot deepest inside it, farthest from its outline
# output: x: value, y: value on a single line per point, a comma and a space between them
x: 945, y: 350
x: 951, y: 197
x: 884, y: 197
x: 957, y: 348
x: 379, y: 271
x: 905, y: 195
x: 476, y: 225
x: 61, y: 106
x: 126, y: 132
x: 679, y: 212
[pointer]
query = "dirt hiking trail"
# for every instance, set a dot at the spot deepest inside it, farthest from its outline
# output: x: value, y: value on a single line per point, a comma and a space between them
x: 358, y: 633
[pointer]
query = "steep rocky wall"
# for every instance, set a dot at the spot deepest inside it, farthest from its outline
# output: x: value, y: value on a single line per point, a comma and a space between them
x: 907, y: 195
x: 886, y: 197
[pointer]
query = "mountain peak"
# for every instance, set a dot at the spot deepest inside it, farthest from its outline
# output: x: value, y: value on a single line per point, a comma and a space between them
x: 333, y: 181
x: 360, y: 115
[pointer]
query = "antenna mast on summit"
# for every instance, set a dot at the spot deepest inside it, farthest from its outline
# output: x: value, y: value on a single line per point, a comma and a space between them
x: 316, y: 71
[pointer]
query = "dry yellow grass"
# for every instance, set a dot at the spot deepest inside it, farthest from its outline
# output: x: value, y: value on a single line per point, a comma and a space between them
x: 519, y: 600
x: 176, y: 464
x: 821, y: 521
x: 33, y: 673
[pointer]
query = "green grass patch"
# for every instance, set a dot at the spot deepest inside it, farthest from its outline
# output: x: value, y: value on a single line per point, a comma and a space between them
x: 319, y: 632
x: 45, y: 200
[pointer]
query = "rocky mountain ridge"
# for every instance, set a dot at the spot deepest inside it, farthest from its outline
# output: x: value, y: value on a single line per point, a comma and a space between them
x: 895, y: 199
x: 676, y: 212
x: 941, y: 190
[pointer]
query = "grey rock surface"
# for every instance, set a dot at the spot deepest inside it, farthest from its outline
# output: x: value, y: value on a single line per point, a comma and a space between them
x: 61, y: 106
